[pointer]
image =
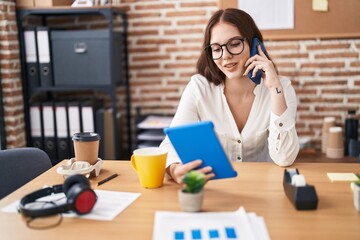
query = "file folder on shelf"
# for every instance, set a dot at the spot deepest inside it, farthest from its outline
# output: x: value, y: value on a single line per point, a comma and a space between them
x: 32, y: 70
x: 99, y: 127
x: 49, y: 131
x: 105, y: 127
x: 109, y: 138
x: 43, y: 46
x: 88, y: 110
x: 63, y: 140
x: 74, y: 122
x: 35, y: 125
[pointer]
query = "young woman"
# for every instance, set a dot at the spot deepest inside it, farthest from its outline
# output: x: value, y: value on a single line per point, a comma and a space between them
x: 254, y: 123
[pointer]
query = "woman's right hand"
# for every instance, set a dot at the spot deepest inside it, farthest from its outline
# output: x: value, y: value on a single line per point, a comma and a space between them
x: 178, y: 170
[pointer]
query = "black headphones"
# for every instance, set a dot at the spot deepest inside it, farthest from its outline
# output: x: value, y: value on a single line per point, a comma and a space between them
x: 80, y: 198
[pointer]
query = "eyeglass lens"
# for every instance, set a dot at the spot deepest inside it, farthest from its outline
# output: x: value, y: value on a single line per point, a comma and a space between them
x: 234, y: 47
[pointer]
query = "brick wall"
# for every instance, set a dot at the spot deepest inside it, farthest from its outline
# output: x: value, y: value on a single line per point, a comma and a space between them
x: 10, y: 76
x: 165, y: 38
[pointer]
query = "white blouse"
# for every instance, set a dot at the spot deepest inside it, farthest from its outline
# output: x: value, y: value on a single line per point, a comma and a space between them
x: 265, y: 136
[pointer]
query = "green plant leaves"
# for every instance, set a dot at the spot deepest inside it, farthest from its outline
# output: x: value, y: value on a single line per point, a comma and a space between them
x: 194, y: 181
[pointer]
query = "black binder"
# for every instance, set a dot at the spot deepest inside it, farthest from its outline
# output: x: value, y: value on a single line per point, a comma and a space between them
x: 49, y: 131
x: 62, y: 133
x: 31, y: 58
x: 45, y: 65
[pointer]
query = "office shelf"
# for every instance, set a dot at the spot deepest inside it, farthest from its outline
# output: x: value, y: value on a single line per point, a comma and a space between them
x: 39, y: 17
x: 150, y: 129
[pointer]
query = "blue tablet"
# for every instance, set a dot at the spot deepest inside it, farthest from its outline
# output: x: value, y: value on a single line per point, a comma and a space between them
x: 199, y: 141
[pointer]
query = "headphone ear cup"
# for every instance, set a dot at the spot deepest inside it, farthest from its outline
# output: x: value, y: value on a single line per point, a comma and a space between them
x: 81, y: 198
x: 75, y: 179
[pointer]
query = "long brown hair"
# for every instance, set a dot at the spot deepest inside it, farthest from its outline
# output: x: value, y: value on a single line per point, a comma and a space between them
x: 246, y: 26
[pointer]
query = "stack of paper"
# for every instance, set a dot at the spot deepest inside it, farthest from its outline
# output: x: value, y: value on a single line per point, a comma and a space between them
x: 209, y: 225
x: 150, y: 130
x: 107, y: 207
x: 155, y: 122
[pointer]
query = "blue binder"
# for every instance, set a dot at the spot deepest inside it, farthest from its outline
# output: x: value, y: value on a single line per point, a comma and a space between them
x: 199, y: 141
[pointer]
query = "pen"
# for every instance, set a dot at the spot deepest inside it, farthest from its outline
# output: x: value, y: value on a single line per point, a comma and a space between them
x: 107, y: 179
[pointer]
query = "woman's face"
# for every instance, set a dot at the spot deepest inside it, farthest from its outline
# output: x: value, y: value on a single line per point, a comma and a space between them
x: 231, y: 65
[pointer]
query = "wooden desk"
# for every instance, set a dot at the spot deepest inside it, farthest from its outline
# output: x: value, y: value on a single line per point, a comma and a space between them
x: 258, y: 188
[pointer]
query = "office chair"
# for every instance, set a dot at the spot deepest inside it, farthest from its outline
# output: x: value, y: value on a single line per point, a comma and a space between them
x: 20, y: 165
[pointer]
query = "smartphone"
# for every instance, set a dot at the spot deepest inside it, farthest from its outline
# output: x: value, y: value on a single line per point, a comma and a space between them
x: 253, y: 51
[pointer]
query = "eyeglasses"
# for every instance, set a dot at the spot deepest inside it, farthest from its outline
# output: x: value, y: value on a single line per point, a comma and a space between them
x: 234, y: 46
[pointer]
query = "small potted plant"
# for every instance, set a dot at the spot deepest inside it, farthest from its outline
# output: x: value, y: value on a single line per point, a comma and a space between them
x: 191, y: 196
x: 357, y: 195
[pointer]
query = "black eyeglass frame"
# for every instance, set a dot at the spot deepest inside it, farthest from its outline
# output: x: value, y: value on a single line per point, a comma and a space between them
x: 208, y: 47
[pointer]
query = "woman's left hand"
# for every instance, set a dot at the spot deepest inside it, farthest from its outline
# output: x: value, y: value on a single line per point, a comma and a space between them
x: 260, y: 62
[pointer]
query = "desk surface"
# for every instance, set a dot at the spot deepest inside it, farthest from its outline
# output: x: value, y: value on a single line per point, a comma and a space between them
x: 258, y: 187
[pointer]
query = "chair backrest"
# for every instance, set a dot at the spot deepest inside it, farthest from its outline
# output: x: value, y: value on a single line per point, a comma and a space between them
x: 20, y: 165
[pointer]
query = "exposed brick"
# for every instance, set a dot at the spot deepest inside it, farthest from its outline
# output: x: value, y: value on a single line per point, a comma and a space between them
x: 155, y: 41
x: 286, y: 64
x: 337, y: 55
x: 340, y: 91
x: 331, y: 109
x: 323, y: 65
x: 151, y: 58
x: 197, y: 41
x: 172, y: 99
x: 159, y: 90
x: 275, y: 46
x: 154, y: 6
x: 145, y: 83
x: 320, y: 100
x: 339, y: 73
x: 306, y: 91
x: 180, y: 82
x: 326, y: 83
x: 303, y: 108
x: 201, y: 22
x: 151, y: 23
x: 183, y: 31
x: 328, y: 46
x: 178, y: 65
x: 353, y: 100
x: 198, y: 4
x: 132, y: 15
x: 143, y: 49
x: 144, y: 66
x: 290, y: 55
x: 355, y: 64
x: 296, y: 73
x: 190, y: 58
x: 143, y: 33
x: 155, y: 74
x: 183, y: 49
x: 142, y: 98
x: 185, y: 13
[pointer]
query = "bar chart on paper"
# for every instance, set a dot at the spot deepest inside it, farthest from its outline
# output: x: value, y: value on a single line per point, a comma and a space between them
x: 200, y: 234
x: 209, y: 226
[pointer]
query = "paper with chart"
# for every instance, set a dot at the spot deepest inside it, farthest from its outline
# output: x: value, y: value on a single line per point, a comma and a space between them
x: 209, y: 225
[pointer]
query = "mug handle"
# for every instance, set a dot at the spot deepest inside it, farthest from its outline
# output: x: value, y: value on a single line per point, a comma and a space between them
x: 133, y: 164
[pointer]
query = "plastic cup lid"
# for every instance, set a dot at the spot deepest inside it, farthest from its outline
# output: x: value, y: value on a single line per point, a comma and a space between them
x: 86, y: 137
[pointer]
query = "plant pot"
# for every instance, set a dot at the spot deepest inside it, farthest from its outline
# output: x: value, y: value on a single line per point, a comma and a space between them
x: 357, y: 197
x: 191, y: 202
